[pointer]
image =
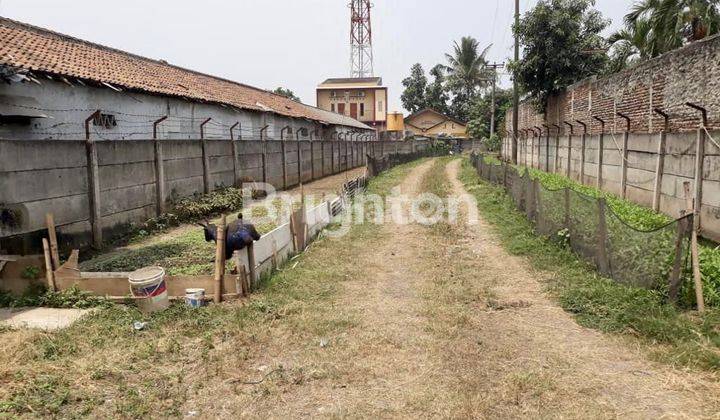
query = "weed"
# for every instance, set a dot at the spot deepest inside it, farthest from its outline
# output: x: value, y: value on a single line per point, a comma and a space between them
x: 595, y: 301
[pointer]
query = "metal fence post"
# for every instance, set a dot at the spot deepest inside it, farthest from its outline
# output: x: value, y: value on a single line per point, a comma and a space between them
x: 602, y: 237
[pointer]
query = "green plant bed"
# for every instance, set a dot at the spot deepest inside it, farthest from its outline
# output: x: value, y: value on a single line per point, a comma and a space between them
x: 597, y: 302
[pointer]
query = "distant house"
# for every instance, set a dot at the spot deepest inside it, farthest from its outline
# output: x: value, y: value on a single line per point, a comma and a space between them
x: 53, y: 83
x: 430, y: 123
x: 364, y: 99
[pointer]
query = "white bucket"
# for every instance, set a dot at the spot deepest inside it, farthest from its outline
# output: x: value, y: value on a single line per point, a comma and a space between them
x: 195, y: 298
x: 148, y: 285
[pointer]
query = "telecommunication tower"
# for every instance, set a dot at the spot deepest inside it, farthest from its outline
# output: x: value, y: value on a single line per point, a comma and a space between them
x: 361, y: 51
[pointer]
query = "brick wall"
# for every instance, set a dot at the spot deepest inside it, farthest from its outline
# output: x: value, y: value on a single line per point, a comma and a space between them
x: 690, y: 74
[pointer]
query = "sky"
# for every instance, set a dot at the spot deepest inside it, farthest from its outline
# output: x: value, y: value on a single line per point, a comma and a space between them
x: 290, y: 43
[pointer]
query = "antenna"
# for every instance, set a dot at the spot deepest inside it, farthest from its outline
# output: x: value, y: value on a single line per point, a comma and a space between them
x: 361, y: 51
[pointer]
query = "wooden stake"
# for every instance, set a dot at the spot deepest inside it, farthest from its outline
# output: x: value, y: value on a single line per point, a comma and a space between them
x: 697, y: 276
x: 52, y: 235
x: 49, y: 274
x: 251, y: 267
x: 674, y: 280
x: 219, y: 260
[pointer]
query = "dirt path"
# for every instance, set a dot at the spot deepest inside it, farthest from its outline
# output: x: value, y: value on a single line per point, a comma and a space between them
x: 568, y: 369
x: 435, y: 322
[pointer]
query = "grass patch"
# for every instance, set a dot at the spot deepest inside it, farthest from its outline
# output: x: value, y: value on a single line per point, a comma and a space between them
x: 683, y: 338
x: 102, y: 367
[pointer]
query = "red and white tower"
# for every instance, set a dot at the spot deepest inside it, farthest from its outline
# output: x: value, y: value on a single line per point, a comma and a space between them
x: 361, y: 51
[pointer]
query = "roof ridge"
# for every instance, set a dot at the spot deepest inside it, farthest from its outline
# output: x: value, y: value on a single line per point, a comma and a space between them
x: 45, y: 31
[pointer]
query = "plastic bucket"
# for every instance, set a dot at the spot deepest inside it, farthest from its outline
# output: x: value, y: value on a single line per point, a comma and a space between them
x: 195, y: 298
x: 148, y: 286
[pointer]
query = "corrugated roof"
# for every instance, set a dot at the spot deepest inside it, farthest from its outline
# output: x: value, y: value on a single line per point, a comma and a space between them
x: 40, y: 50
x: 374, y: 81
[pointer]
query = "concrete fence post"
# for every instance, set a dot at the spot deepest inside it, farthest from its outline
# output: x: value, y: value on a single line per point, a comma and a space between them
x: 299, y: 160
x: 583, y: 146
x: 94, y: 193
x: 600, y: 152
x: 624, y: 156
x: 660, y: 162
x: 312, y: 160
x: 284, y: 163
x: 205, y: 158
x: 206, y: 166
x: 699, y: 166
x: 332, y: 157
x: 236, y: 159
x: 159, y: 179
x: 569, y: 148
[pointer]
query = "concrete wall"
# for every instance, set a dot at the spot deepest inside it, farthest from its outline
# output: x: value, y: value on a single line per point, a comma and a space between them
x: 643, y: 151
x: 135, y: 179
x: 67, y: 107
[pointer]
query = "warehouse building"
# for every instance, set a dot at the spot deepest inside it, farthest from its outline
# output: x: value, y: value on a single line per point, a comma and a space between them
x: 59, y: 87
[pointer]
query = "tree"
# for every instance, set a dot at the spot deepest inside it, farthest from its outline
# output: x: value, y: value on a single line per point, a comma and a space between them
x: 562, y: 44
x: 480, y: 112
x: 466, y: 68
x: 436, y: 95
x: 287, y: 93
x: 413, y: 97
x: 654, y: 27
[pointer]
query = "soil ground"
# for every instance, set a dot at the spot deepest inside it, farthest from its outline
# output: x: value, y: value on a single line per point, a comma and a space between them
x: 448, y: 324
x: 392, y: 320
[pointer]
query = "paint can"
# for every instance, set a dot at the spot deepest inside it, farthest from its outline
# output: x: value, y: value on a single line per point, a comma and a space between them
x: 148, y: 286
x: 195, y: 298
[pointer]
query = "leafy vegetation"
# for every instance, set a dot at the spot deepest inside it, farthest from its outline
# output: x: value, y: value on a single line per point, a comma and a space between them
x: 598, y: 302
x: 654, y: 27
x: 287, y: 93
x: 644, y: 219
x: 39, y: 296
x: 191, y: 209
x: 562, y: 43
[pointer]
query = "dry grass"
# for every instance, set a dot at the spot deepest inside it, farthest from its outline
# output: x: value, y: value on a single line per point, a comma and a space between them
x: 101, y: 367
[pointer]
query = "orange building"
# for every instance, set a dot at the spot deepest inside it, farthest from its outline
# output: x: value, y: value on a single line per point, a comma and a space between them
x: 430, y: 123
x: 364, y: 99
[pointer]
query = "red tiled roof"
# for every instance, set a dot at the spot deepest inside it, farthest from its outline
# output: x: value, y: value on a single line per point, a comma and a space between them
x: 40, y: 50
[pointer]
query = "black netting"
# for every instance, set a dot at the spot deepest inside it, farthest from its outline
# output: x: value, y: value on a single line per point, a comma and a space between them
x: 640, y: 258
x: 551, y: 212
x: 591, y: 229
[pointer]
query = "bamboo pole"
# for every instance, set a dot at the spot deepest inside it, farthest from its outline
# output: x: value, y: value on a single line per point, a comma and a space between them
x: 697, y: 275
x: 52, y: 236
x: 219, y: 259
x: 49, y: 274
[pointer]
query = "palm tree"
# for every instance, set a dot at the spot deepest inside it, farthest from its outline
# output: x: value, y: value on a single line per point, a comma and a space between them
x: 629, y: 45
x: 664, y: 25
x: 467, y: 70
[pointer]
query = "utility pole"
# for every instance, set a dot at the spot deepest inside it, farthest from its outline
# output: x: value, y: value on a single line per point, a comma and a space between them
x: 494, y: 67
x: 516, y: 93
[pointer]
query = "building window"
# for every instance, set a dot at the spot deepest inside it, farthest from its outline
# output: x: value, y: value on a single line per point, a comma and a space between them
x: 380, y: 106
x: 362, y: 110
x: 332, y: 107
x: 333, y: 94
x: 107, y: 121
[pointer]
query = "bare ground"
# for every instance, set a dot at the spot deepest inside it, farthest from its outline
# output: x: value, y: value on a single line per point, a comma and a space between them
x: 448, y: 324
